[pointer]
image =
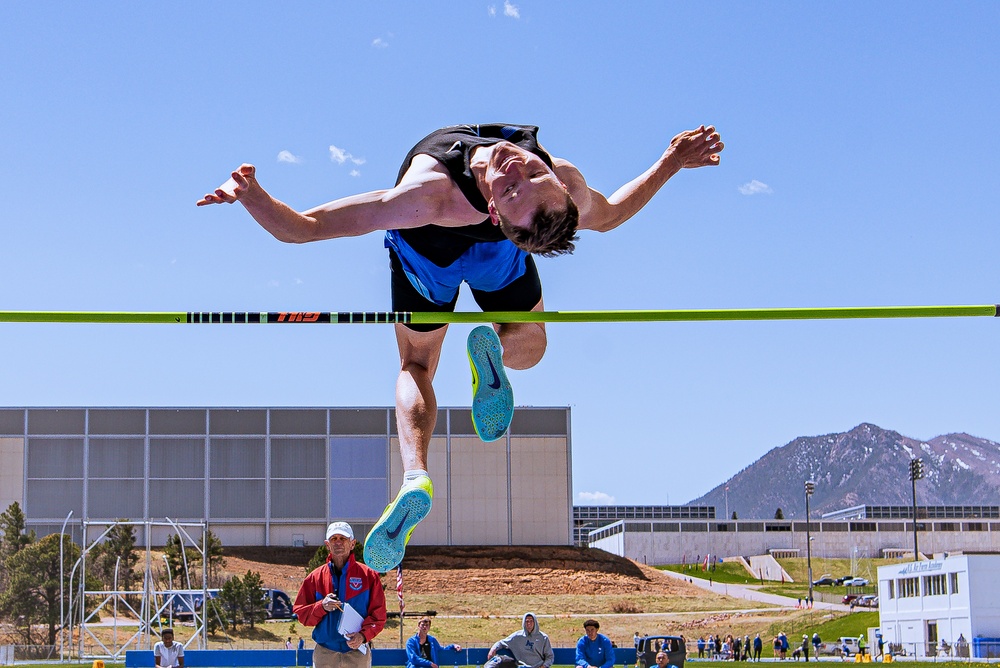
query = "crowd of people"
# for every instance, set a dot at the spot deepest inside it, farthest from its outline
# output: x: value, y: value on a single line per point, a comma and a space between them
x: 344, y: 602
x: 730, y: 647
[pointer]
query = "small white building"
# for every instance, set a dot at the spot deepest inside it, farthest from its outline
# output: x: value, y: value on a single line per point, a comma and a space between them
x: 922, y: 603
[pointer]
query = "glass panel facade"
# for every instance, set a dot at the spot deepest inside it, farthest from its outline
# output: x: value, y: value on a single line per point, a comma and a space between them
x: 300, y: 499
x: 55, y: 458
x: 298, y: 457
x: 176, y: 457
x: 269, y: 474
x: 115, y: 499
x: 116, y: 458
x: 237, y: 458
x: 177, y: 499
x: 359, y: 457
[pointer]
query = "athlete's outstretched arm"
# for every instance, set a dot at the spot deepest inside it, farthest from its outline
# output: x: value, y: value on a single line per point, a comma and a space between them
x: 415, y: 202
x: 692, y: 148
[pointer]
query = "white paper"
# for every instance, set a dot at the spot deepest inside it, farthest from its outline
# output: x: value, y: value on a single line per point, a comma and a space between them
x: 350, y: 622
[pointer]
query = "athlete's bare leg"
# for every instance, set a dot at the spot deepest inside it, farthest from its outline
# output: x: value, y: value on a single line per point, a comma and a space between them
x: 416, y: 405
x: 523, y: 342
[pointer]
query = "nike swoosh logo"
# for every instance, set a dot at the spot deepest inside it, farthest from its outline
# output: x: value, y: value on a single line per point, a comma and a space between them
x: 496, y: 379
x: 395, y: 532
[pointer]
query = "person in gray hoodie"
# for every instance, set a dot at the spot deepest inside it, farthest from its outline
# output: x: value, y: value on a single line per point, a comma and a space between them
x: 528, y: 647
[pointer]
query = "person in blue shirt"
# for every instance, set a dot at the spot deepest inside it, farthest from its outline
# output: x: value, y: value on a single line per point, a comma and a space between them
x: 594, y: 650
x: 422, y: 648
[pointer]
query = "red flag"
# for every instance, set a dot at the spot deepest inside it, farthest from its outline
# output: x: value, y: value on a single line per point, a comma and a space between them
x: 399, y: 588
x: 705, y: 566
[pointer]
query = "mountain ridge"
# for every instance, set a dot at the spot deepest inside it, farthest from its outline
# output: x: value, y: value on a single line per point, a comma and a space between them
x: 867, y: 465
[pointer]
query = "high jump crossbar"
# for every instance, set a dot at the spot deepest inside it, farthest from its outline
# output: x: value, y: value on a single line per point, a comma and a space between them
x: 431, y: 318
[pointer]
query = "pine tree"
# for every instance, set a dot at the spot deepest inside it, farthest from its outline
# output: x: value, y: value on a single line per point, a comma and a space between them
x: 318, y: 558
x: 118, y: 543
x: 31, y: 599
x: 177, y: 555
x: 213, y: 555
x: 778, y: 515
x: 254, y: 601
x: 231, y: 602
x: 12, y: 535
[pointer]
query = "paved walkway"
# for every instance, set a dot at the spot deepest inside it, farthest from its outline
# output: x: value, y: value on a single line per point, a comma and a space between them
x: 749, y: 592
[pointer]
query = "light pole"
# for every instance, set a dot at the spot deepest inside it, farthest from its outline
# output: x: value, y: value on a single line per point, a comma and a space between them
x: 62, y: 599
x: 810, y: 488
x: 916, y: 473
x: 118, y: 563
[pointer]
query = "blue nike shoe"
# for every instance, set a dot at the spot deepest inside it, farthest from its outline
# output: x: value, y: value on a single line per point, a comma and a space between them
x: 492, y: 396
x: 386, y: 542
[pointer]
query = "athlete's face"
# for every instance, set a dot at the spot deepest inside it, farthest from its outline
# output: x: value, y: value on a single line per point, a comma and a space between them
x: 520, y: 183
x: 529, y: 624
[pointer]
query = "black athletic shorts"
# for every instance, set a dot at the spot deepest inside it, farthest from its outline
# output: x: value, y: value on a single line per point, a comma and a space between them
x: 523, y: 294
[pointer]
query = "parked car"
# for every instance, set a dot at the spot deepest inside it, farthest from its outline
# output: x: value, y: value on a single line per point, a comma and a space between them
x: 824, y: 580
x: 850, y: 643
x: 841, y: 580
x: 856, y: 582
x: 867, y: 601
x: 850, y: 598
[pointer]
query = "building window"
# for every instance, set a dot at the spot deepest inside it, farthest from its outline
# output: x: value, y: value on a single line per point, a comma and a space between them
x: 935, y: 585
x: 908, y: 587
x: 953, y: 582
x: 892, y: 589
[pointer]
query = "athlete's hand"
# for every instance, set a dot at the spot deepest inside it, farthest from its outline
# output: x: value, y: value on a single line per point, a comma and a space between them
x: 239, y: 183
x: 696, y: 148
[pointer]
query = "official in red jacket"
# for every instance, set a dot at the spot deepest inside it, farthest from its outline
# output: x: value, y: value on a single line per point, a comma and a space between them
x: 324, y: 593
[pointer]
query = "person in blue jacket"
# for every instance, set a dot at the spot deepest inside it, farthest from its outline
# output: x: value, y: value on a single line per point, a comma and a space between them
x: 594, y: 649
x: 422, y: 648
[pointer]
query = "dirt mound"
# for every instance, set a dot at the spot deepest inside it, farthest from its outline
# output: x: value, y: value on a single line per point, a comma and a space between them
x: 491, y: 570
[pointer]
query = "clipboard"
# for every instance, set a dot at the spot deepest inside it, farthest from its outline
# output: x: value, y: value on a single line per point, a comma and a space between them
x: 350, y: 622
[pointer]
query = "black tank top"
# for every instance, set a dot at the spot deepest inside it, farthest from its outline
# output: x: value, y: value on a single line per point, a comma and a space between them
x: 452, y: 147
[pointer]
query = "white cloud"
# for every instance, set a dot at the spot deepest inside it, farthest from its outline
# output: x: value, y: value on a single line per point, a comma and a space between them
x: 600, y: 498
x: 380, y: 43
x: 355, y: 172
x: 340, y: 156
x: 491, y: 10
x: 511, y: 10
x: 288, y: 156
x: 755, y: 187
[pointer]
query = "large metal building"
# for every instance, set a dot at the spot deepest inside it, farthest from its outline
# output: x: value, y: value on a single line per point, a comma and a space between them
x: 276, y: 476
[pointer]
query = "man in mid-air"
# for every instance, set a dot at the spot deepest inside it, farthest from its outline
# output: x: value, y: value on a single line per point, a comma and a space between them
x: 471, y: 204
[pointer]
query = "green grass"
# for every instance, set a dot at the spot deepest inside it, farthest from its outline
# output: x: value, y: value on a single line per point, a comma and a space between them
x: 727, y: 573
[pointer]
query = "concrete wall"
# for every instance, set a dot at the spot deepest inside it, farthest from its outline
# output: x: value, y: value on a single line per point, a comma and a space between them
x: 657, y: 543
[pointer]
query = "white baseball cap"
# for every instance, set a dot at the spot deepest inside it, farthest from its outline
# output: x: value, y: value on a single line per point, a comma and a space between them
x: 339, y: 529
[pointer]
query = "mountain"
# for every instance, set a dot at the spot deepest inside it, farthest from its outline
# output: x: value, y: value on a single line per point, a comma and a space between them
x: 867, y: 465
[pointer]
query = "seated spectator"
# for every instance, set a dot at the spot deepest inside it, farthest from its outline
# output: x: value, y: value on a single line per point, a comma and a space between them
x: 422, y: 648
x: 167, y: 653
x: 594, y: 650
x: 527, y: 647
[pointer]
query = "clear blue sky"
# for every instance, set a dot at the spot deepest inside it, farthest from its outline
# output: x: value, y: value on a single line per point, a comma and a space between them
x: 860, y: 168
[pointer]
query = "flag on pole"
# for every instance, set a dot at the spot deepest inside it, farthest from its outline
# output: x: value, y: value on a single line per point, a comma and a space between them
x: 705, y: 566
x: 399, y: 589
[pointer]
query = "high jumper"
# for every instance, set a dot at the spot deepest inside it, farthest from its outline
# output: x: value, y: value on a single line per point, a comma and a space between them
x: 471, y: 204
